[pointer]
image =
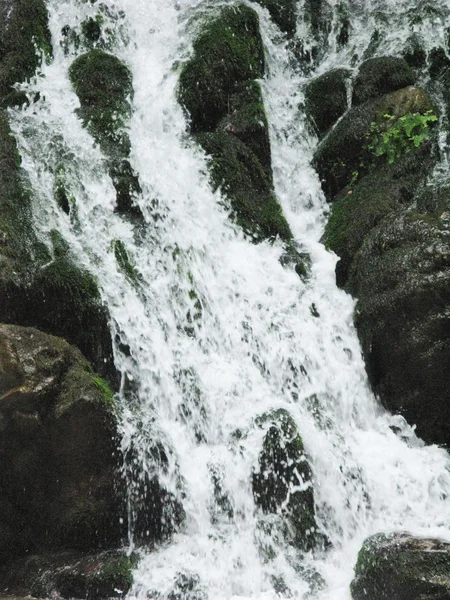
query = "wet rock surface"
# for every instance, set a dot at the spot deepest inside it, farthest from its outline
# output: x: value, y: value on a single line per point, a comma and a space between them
x: 58, y: 448
x: 390, y: 229
x: 400, y: 567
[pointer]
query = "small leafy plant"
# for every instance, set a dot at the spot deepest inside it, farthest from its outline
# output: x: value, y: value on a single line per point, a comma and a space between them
x: 400, y: 136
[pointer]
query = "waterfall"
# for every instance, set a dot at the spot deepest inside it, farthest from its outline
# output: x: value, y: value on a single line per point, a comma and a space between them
x: 213, y: 332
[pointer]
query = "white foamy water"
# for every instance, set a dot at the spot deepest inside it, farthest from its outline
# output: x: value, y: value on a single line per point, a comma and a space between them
x: 256, y: 344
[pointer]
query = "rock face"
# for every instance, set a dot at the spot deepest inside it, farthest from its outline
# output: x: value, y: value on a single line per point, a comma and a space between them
x: 57, y: 448
x: 401, y: 567
x: 283, y: 468
x: 391, y: 233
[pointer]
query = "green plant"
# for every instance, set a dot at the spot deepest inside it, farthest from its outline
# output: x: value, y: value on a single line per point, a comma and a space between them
x: 399, y: 136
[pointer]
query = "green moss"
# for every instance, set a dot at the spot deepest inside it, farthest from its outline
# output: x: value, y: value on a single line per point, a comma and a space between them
x: 240, y: 175
x: 25, y: 29
x: 283, y: 466
x: 363, y: 205
x: 103, y: 386
x: 91, y: 30
x: 103, y: 85
x: 227, y: 52
x: 123, y: 260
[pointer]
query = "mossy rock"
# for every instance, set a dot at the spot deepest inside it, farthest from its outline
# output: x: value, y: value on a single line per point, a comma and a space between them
x: 23, y: 27
x: 227, y: 52
x: 283, y: 13
x: 361, y: 206
x: 237, y: 171
x: 326, y: 98
x: 343, y: 152
x: 64, y: 300
x: 126, y: 184
x: 55, y: 295
x: 399, y: 566
x: 401, y: 277
x: 247, y: 120
x: 72, y: 575
x: 283, y: 466
x: 104, y: 87
x: 124, y: 261
x: 379, y: 76
x: 59, y: 450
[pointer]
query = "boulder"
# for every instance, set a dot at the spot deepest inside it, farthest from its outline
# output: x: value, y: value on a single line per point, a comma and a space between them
x: 362, y: 205
x: 227, y: 53
x: 401, y: 277
x: 344, y: 151
x: 326, y: 98
x: 23, y: 27
x: 70, y: 575
x: 379, y: 76
x: 399, y: 566
x: 58, y: 448
x: 39, y: 288
x: 283, y: 483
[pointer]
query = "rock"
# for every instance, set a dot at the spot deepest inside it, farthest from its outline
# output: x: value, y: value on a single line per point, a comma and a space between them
x: 361, y: 206
x: 283, y: 466
x: 70, y: 575
x: 237, y: 171
x: 379, y: 76
x: 399, y: 566
x: 414, y: 52
x: 344, y: 152
x: 228, y: 52
x: 23, y: 27
x: 104, y: 87
x: 283, y: 13
x: 247, y: 120
x: 58, y: 447
x: 326, y: 98
x: 36, y: 289
x: 401, y: 277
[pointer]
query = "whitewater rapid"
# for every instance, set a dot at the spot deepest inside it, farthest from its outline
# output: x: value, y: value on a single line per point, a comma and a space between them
x: 263, y: 339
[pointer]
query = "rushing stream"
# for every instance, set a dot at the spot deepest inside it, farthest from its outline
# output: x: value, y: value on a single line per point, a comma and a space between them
x: 215, y: 331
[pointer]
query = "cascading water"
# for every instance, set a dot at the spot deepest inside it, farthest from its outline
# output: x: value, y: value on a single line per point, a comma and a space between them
x: 214, y: 331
